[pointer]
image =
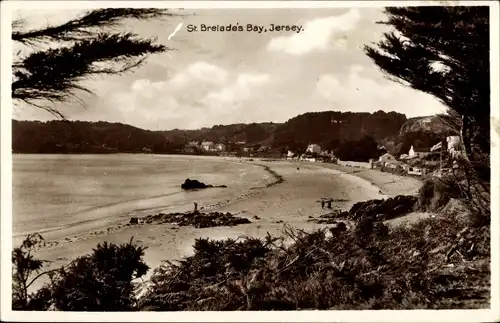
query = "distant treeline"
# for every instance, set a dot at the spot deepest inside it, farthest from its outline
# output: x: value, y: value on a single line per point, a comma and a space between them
x: 86, y: 137
x: 352, y: 136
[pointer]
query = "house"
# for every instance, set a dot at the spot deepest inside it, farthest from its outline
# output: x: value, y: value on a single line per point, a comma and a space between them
x: 387, y: 158
x: 220, y: 147
x: 309, y: 159
x: 313, y: 148
x: 417, y: 171
x: 208, y: 146
x: 418, y: 152
x: 191, y: 147
x: 263, y: 148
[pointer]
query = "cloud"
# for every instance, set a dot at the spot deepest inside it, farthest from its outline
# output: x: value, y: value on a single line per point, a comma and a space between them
x: 218, y: 78
x: 200, y: 72
x: 356, y: 92
x: 199, y: 95
x: 317, y: 34
x: 240, y: 90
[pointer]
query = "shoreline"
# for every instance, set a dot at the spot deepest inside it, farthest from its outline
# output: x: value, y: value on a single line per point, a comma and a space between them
x: 291, y: 198
x: 114, y: 212
x: 118, y: 224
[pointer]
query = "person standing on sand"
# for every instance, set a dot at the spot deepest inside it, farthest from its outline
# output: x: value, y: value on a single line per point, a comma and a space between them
x: 322, y: 204
x: 195, y: 207
x: 329, y: 204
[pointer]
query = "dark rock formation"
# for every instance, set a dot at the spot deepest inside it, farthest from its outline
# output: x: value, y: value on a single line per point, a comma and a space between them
x: 383, y: 210
x: 196, y: 219
x: 195, y: 184
x: 134, y: 220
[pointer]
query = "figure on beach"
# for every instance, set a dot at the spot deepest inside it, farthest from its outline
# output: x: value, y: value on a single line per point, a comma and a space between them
x: 329, y: 204
x: 195, y: 207
x: 322, y: 204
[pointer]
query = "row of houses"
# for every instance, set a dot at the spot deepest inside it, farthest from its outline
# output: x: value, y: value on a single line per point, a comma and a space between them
x: 452, y: 143
x: 452, y: 146
x: 313, y: 153
x: 221, y: 148
x: 207, y: 146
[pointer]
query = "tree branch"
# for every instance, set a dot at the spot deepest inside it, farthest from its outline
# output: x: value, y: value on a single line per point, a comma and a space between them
x: 78, y: 28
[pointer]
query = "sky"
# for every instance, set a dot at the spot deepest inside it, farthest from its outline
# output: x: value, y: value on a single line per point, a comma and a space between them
x: 220, y: 77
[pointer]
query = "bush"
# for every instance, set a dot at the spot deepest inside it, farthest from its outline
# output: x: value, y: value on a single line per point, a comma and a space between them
x: 202, y: 279
x: 462, y: 183
x: 24, y: 265
x: 101, y: 281
x: 436, y: 192
x: 370, y: 267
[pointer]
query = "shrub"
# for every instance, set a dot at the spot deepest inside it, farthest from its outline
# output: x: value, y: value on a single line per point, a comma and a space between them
x: 183, y: 285
x: 370, y: 267
x: 101, y: 281
x: 24, y: 265
x: 436, y: 192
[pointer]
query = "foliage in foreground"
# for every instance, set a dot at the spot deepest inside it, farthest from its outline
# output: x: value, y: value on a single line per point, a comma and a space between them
x: 370, y: 267
x: 435, y: 263
x: 100, y: 281
x: 461, y: 184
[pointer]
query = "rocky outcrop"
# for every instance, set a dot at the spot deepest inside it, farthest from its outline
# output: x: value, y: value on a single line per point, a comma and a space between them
x: 436, y: 124
x: 376, y: 210
x: 194, y: 219
x: 195, y: 184
x: 383, y: 210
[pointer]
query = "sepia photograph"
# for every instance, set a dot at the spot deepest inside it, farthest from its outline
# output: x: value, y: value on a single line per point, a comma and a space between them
x: 336, y: 157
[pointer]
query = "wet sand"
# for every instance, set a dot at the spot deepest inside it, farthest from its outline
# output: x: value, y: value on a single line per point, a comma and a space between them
x: 292, y: 202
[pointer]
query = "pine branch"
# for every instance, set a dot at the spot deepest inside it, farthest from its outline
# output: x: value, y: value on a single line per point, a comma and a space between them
x: 78, y: 28
x: 54, y: 74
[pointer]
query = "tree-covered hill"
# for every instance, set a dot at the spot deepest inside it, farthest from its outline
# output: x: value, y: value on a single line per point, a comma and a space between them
x: 84, y: 137
x: 332, y: 130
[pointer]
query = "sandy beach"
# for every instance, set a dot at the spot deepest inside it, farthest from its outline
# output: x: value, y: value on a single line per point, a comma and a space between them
x: 292, y: 203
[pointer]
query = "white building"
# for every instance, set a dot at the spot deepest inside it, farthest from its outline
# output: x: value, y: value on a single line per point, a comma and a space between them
x: 313, y: 148
x: 207, y: 145
x: 220, y: 147
x: 418, y: 152
x: 387, y: 158
x: 416, y: 171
